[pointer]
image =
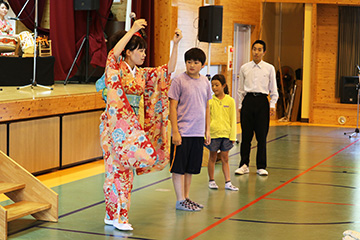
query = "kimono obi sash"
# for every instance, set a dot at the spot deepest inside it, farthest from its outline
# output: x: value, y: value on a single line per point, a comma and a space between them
x: 134, y: 101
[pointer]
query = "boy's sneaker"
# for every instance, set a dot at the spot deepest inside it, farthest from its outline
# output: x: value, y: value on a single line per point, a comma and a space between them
x: 262, y: 172
x: 212, y: 185
x: 231, y: 187
x: 186, y: 206
x: 242, y: 170
x: 198, y: 205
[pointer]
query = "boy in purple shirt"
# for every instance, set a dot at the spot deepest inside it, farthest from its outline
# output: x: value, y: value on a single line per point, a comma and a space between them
x: 189, y: 95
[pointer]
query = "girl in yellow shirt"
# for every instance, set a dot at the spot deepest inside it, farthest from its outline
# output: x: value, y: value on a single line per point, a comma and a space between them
x: 222, y: 129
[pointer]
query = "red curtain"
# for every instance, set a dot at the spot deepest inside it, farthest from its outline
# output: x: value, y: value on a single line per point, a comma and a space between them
x: 68, y: 29
x: 145, y: 9
x: 27, y: 17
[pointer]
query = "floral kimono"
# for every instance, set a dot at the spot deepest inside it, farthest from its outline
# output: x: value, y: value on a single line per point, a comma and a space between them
x: 126, y: 145
x: 6, y: 28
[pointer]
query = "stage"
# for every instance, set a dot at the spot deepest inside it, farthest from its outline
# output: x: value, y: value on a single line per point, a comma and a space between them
x: 10, y: 93
x: 45, y: 129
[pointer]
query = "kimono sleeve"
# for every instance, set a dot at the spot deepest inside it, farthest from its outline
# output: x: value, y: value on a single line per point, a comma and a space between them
x: 156, y: 107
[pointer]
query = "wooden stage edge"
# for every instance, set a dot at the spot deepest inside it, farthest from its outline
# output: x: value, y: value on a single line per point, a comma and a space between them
x: 44, y: 130
x: 35, y: 103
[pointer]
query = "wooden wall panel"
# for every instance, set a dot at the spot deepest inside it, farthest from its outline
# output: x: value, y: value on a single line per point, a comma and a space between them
x: 325, y: 108
x: 329, y: 113
x: 326, y: 49
x: 81, y: 137
x: 164, y: 30
x: 3, y: 137
x: 35, y: 144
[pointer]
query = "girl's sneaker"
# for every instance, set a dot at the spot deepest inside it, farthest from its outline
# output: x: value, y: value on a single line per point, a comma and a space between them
x: 212, y: 185
x: 231, y: 187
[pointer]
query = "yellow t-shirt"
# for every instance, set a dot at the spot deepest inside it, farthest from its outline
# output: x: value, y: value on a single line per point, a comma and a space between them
x: 223, y: 118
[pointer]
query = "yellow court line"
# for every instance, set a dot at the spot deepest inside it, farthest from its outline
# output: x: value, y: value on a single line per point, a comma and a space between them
x: 72, y: 174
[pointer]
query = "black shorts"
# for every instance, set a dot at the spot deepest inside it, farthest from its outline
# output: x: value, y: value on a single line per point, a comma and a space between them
x: 188, y: 156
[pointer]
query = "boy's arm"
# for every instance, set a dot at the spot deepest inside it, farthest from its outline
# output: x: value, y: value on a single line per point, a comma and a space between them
x: 207, y: 124
x: 176, y: 137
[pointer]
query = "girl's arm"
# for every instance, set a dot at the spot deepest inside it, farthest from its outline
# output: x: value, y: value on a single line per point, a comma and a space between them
x: 233, y: 121
x: 119, y: 47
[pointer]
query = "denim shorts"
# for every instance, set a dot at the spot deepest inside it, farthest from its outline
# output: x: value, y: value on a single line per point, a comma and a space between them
x: 222, y: 144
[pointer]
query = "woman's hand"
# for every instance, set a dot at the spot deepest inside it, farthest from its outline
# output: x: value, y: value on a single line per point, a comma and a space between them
x: 120, y: 46
x: 177, y: 36
x: 138, y: 24
x: 173, y: 56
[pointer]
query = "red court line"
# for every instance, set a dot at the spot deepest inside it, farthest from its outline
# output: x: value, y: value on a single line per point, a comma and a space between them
x: 291, y: 200
x: 265, y: 195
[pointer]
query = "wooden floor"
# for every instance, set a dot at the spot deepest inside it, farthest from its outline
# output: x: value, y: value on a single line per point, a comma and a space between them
x: 311, y: 192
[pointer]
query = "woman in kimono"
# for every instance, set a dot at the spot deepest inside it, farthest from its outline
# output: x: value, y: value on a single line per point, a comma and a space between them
x: 127, y: 146
x: 5, y: 26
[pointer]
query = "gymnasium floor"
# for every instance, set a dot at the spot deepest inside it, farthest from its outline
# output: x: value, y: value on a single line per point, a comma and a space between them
x: 311, y: 192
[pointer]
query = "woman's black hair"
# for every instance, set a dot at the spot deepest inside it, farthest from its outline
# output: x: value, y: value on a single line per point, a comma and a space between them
x: 222, y: 80
x: 134, y: 43
x: 5, y: 3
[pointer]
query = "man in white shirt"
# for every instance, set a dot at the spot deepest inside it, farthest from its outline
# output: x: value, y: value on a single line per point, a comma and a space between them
x: 257, y: 81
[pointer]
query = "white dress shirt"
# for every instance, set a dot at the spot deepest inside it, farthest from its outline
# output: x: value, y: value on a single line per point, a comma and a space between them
x: 258, y: 78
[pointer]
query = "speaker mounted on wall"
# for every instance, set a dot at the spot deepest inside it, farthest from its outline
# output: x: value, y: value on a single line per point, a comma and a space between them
x: 348, y: 89
x: 210, y: 24
x: 82, y: 5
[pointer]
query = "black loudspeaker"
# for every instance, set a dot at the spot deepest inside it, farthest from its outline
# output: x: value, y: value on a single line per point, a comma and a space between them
x: 348, y: 89
x: 210, y: 24
x: 86, y: 5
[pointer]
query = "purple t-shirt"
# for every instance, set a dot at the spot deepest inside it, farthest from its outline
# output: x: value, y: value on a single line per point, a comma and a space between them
x: 192, y: 96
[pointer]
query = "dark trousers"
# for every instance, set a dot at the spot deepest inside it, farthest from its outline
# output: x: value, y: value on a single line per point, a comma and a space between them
x: 254, y: 117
